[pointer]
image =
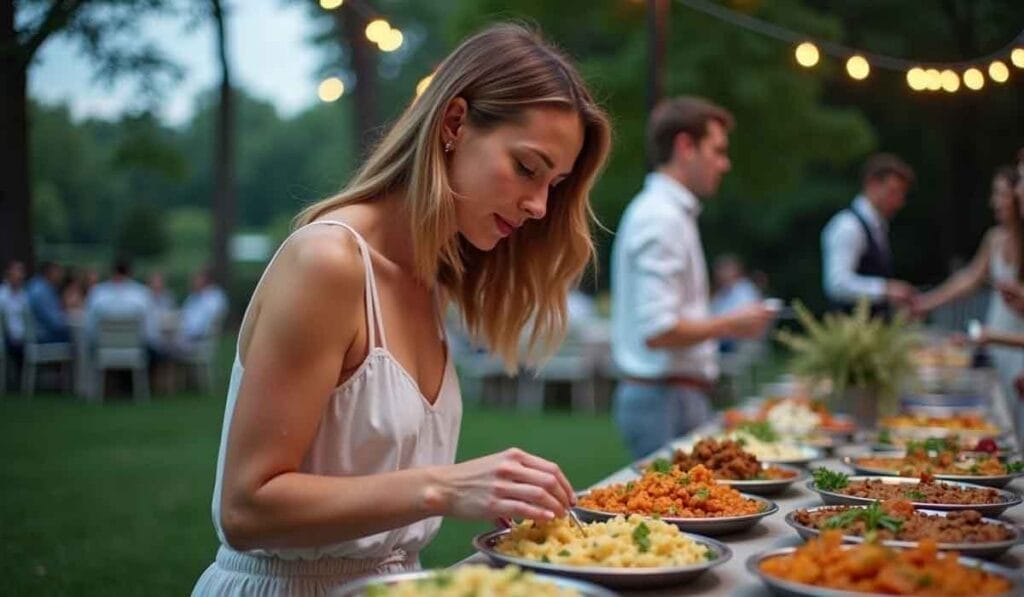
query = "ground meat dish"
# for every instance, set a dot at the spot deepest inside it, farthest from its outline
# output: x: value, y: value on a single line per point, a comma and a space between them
x: 965, y: 526
x: 727, y: 460
x: 928, y: 492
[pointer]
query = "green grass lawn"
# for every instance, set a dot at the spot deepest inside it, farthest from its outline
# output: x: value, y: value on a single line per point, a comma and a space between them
x: 115, y: 499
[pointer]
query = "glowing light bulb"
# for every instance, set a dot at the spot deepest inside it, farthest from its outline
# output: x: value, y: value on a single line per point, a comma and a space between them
x: 807, y: 54
x: 331, y: 89
x: 391, y: 41
x: 917, y: 79
x: 950, y: 81
x: 857, y: 67
x: 376, y: 30
x: 973, y: 79
x: 998, y: 72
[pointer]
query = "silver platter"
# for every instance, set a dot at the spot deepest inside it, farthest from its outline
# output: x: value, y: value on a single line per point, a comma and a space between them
x: 985, y: 480
x: 753, y: 486
x: 807, y: 454
x: 833, y: 498
x: 988, y: 551
x: 619, y: 578
x: 712, y: 527
x: 359, y: 588
x: 789, y: 588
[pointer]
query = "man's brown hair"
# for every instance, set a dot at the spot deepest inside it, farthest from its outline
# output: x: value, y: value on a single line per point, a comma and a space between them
x: 882, y: 165
x: 684, y: 114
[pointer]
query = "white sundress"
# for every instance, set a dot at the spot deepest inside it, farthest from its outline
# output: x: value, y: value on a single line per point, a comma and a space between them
x: 378, y: 421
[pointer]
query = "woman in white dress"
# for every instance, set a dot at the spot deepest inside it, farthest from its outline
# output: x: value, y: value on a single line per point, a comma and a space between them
x: 997, y: 262
x: 337, y: 450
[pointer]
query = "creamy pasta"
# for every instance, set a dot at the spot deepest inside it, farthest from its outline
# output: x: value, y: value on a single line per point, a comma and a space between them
x: 472, y: 581
x: 634, y: 542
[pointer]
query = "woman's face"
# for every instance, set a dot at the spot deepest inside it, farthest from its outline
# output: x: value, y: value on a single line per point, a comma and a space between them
x: 1002, y: 200
x: 502, y: 176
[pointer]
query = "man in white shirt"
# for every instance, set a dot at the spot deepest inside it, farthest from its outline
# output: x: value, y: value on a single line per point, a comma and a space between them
x: 856, y: 256
x: 663, y: 335
x: 120, y: 297
x: 204, y: 307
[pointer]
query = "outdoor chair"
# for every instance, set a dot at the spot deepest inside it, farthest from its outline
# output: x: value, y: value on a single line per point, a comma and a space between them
x: 200, y: 357
x: 575, y: 363
x: 42, y: 353
x: 120, y: 345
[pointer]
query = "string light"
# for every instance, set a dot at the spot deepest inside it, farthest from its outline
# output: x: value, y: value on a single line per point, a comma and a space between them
x: 331, y: 89
x: 1017, y: 57
x: 807, y: 54
x: 917, y: 79
x: 423, y: 84
x: 377, y: 29
x: 391, y: 41
x: 973, y: 79
x: 857, y: 67
x: 331, y: 4
x: 998, y: 72
x: 934, y: 81
x: 950, y: 81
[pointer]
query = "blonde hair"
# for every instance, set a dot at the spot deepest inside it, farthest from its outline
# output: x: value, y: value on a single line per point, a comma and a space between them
x: 499, y: 72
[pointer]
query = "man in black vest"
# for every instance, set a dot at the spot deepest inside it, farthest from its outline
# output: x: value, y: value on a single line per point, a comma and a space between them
x: 856, y: 256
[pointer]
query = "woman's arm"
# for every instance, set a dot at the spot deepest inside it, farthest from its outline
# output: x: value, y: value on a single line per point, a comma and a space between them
x: 307, y: 318
x: 961, y: 283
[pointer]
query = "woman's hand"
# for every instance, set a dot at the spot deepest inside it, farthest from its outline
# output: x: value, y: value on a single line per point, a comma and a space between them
x: 509, y: 484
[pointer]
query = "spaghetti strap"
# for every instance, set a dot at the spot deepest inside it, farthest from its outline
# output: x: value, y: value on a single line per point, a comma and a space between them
x: 374, y: 319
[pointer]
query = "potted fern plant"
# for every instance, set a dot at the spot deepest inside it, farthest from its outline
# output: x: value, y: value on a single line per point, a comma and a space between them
x: 866, y: 361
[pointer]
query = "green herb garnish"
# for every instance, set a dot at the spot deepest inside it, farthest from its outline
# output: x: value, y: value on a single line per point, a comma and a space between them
x: 761, y: 430
x: 709, y: 554
x: 629, y: 486
x: 1015, y: 467
x: 683, y: 480
x: 702, y: 494
x: 661, y: 465
x: 641, y: 537
x: 545, y: 559
x: 884, y: 437
x: 564, y: 553
x: 914, y: 495
x: 830, y: 480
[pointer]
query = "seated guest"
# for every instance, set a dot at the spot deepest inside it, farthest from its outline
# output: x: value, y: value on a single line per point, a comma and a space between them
x: 203, y: 307
x: 161, y: 305
x: 119, y: 297
x: 45, y: 305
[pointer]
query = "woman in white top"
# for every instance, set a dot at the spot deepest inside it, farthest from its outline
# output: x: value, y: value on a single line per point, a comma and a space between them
x: 343, y: 411
x: 998, y: 261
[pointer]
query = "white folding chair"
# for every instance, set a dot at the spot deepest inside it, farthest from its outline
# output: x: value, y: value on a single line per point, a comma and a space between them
x: 576, y: 364
x: 41, y: 353
x: 200, y: 357
x: 120, y: 345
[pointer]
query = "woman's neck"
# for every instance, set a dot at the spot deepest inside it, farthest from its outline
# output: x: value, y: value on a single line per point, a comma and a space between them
x: 385, y: 223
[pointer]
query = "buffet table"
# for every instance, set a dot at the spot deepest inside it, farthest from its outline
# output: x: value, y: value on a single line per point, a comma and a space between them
x: 732, y: 578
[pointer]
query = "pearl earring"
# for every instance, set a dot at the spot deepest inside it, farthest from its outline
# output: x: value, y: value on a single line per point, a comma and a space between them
x: 448, y: 146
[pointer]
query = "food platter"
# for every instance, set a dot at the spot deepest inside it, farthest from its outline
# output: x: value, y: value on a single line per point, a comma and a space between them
x: 984, y: 480
x: 711, y: 526
x: 784, y: 587
x: 835, y: 498
x: 986, y: 550
x: 366, y: 586
x: 752, y: 486
x: 619, y: 578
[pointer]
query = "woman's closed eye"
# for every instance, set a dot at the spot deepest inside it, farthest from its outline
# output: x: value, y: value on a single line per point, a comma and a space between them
x: 525, y: 171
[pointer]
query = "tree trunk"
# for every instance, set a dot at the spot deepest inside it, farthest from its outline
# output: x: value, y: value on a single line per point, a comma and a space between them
x: 224, y: 195
x: 363, y: 61
x: 15, y: 179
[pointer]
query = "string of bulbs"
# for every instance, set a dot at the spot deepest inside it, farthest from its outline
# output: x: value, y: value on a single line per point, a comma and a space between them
x: 920, y: 75
x: 378, y: 30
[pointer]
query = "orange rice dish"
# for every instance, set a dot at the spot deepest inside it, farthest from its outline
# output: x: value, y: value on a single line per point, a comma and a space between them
x: 961, y: 422
x: 872, y: 568
x: 675, y: 494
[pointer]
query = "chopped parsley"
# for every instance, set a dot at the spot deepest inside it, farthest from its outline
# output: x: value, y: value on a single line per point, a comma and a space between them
x: 1015, y: 467
x: 702, y: 494
x: 564, y: 553
x: 830, y: 480
x: 661, y: 465
x: 641, y: 537
x: 914, y: 495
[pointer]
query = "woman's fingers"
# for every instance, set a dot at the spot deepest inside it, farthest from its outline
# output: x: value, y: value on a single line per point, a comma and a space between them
x: 546, y: 466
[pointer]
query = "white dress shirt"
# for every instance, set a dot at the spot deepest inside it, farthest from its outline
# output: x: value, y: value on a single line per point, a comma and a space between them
x: 199, y: 312
x: 13, y: 305
x: 843, y: 242
x: 659, y: 277
x: 116, y: 299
